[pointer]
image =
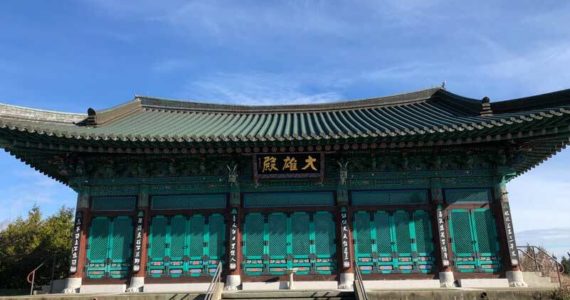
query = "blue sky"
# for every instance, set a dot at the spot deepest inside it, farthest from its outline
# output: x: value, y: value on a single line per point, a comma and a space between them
x: 71, y: 55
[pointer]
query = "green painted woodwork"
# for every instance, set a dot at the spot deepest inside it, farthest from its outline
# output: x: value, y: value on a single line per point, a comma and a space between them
x: 474, y: 240
x: 288, y: 199
x: 393, y: 242
x: 397, y: 197
x: 185, y: 246
x: 109, y: 249
x: 197, y: 201
x: 467, y: 195
x: 124, y: 203
x: 274, y: 242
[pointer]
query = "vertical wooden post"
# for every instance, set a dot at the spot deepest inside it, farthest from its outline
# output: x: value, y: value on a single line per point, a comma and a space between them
x: 140, y: 242
x: 507, y: 234
x: 79, y: 243
x: 345, y: 257
x: 439, y: 214
x: 234, y: 255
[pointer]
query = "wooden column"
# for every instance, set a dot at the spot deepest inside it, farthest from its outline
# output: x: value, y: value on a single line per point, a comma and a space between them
x: 505, y: 227
x: 79, y: 252
x: 507, y: 235
x: 440, y: 231
x: 140, y: 241
x: 234, y: 253
x: 345, y: 249
x: 79, y: 243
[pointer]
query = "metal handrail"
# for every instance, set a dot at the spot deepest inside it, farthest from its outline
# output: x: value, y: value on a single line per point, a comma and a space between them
x: 359, y: 284
x: 538, y: 266
x: 31, y: 280
x: 214, y: 283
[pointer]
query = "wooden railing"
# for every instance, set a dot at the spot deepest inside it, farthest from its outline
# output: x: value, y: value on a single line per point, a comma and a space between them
x: 535, y: 259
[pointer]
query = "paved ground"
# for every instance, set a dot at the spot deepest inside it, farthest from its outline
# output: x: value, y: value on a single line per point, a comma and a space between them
x: 447, y: 294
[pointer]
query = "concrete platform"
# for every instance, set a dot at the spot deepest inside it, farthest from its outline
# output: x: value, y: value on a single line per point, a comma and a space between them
x: 484, y: 283
x: 371, y: 285
x: 284, y: 285
x: 103, y: 288
x: 465, y: 294
x: 176, y: 287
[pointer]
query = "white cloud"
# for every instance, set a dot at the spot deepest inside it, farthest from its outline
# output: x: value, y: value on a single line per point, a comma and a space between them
x: 554, y: 240
x: 24, y: 187
x: 255, y: 89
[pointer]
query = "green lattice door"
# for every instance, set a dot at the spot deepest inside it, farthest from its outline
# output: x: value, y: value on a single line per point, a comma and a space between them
x: 275, y: 242
x: 397, y: 242
x: 109, y: 247
x: 185, y: 245
x: 474, y: 240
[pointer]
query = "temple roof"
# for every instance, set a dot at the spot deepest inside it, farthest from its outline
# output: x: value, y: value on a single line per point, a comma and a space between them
x: 538, y: 125
x: 418, y: 114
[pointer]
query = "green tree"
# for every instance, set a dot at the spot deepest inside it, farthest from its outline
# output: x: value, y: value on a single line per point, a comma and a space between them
x: 566, y: 263
x: 27, y: 242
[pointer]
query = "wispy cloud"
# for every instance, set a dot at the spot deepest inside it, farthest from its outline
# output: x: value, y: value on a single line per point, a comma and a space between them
x: 27, y: 188
x: 255, y: 89
x: 554, y: 240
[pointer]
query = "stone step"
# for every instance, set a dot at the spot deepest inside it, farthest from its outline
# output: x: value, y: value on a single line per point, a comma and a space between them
x: 321, y: 295
x: 297, y: 298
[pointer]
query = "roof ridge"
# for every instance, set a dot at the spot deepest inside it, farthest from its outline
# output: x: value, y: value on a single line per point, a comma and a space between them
x: 35, y: 114
x: 392, y: 100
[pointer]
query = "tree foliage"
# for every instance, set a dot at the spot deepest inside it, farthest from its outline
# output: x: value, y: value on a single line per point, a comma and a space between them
x: 566, y: 263
x: 27, y: 242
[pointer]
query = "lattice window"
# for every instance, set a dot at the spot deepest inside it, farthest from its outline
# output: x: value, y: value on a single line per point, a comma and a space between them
x: 157, y: 241
x: 383, y: 236
x: 99, y: 239
x: 362, y: 233
x: 486, y: 232
x: 300, y: 227
x: 461, y: 232
x: 324, y: 234
x: 178, y: 229
x: 123, y: 230
x: 196, y: 236
x: 253, y: 229
x: 424, y: 241
x: 403, y: 238
x: 217, y: 236
x: 277, y: 225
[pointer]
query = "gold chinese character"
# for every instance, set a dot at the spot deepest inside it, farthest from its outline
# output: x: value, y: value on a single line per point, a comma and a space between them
x: 269, y: 164
x: 310, y: 163
x: 290, y: 163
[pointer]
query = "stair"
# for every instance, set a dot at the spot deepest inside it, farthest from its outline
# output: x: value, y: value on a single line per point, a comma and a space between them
x: 289, y: 295
x: 537, y: 280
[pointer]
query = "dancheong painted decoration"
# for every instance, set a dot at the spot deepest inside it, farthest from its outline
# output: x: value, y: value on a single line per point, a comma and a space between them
x: 410, y: 186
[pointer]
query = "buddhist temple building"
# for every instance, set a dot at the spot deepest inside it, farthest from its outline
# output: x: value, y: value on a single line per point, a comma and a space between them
x: 406, y: 187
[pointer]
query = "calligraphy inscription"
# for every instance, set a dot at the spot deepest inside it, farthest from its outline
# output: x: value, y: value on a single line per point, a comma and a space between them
x: 233, y: 240
x: 75, y: 242
x: 513, y: 252
x: 442, y: 238
x: 273, y: 165
x: 345, y: 239
x: 138, y: 242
